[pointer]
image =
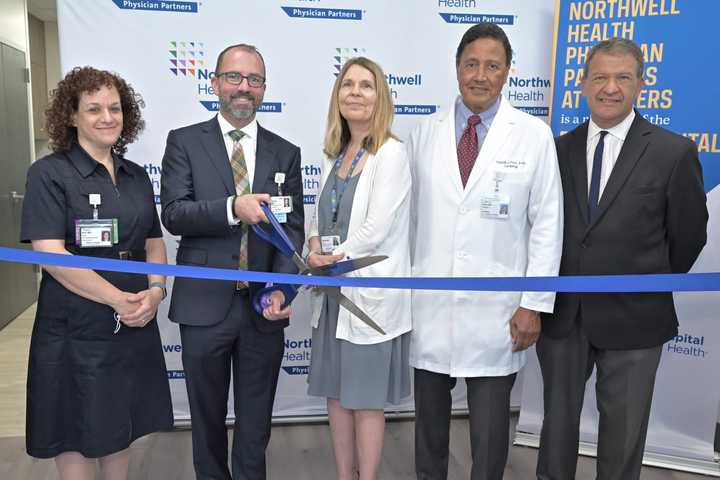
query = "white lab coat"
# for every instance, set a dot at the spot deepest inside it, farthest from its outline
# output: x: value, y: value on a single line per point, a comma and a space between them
x: 379, y: 225
x: 467, y: 334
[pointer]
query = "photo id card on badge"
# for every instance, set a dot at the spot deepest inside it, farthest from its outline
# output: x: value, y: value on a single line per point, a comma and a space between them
x: 495, y: 206
x: 328, y: 243
x: 102, y: 232
x: 280, y: 207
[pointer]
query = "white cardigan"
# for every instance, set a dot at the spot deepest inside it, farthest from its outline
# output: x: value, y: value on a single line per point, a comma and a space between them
x: 379, y: 225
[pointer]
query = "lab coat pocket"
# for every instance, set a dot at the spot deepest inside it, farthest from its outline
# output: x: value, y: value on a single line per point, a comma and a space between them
x: 372, y: 302
x: 515, y: 186
x: 507, y: 301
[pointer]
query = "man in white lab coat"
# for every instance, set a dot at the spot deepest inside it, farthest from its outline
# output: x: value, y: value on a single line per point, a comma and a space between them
x: 487, y: 201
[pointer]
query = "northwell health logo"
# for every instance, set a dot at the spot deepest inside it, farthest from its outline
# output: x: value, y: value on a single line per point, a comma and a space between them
x: 342, y: 55
x: 296, y: 360
x: 687, y: 345
x: 399, y: 83
x: 187, y: 58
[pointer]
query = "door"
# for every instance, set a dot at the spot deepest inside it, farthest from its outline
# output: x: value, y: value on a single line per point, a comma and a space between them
x: 18, y: 282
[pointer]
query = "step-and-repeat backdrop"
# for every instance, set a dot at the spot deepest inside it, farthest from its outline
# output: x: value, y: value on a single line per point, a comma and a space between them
x: 680, y: 94
x: 167, y: 51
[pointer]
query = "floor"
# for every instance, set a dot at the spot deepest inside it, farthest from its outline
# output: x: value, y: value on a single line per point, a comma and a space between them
x: 298, y: 452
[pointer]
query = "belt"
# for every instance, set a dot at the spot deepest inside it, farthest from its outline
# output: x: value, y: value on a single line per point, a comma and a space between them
x: 137, y: 254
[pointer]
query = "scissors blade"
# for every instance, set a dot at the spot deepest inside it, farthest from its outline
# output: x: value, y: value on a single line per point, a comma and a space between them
x: 300, y: 264
x: 346, y: 266
x: 351, y: 307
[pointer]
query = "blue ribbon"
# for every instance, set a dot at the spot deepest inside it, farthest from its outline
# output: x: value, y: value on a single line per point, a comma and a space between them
x: 692, y: 282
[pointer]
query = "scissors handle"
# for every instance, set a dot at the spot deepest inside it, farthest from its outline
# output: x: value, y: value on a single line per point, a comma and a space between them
x: 261, y: 300
x: 276, y: 236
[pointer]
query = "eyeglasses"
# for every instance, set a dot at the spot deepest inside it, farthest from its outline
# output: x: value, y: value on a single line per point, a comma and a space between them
x: 236, y: 78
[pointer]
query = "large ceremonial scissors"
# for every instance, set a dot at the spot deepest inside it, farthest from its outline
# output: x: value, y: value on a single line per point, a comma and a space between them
x: 276, y: 236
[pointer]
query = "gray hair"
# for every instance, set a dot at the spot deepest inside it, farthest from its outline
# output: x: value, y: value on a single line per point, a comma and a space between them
x: 617, y: 46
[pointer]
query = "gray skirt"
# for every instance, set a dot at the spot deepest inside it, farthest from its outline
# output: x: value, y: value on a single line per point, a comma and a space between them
x: 361, y: 377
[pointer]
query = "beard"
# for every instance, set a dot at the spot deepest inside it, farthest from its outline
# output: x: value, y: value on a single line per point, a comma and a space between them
x: 239, y: 113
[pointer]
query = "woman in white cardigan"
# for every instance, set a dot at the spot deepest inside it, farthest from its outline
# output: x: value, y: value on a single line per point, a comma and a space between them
x: 362, y: 208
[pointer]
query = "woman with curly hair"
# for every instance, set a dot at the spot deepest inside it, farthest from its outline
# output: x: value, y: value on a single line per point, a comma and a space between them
x: 96, y: 377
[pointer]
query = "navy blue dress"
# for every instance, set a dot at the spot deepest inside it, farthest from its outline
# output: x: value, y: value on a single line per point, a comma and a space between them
x: 90, y: 390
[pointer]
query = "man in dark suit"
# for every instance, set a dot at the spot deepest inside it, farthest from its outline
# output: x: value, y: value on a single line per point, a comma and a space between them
x: 634, y: 204
x: 215, y: 176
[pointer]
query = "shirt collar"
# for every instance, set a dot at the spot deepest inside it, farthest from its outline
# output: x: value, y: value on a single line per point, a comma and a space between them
x: 86, y: 164
x: 249, y: 130
x: 486, y: 117
x: 619, y: 131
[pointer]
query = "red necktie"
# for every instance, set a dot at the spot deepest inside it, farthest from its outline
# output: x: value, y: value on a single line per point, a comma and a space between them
x: 467, y: 149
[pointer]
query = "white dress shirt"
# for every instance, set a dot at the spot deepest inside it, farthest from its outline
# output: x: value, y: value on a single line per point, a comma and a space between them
x: 249, y: 145
x: 613, y: 143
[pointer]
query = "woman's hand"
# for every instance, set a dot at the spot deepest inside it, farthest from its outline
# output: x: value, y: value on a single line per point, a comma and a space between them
x: 138, y: 309
x: 315, y: 260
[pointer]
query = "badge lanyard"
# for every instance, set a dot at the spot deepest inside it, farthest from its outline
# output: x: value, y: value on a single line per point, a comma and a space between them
x: 94, y: 200
x: 335, y: 196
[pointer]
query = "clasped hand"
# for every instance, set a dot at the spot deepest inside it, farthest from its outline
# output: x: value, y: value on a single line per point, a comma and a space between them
x: 137, y: 309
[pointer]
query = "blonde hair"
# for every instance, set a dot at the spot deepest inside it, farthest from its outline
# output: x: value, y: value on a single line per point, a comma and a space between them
x: 337, y: 133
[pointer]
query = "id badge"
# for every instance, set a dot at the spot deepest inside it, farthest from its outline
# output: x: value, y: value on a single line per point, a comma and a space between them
x: 328, y: 243
x: 101, y: 232
x: 495, y: 206
x: 280, y: 207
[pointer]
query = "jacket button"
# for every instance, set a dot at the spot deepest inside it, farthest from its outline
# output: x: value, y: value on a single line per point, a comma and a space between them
x: 584, y: 245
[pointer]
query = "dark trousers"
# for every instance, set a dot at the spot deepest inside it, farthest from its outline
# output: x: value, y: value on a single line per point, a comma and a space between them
x: 489, y: 406
x: 208, y: 354
x: 624, y: 386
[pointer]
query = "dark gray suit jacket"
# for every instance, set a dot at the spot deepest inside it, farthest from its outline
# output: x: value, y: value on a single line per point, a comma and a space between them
x: 196, y: 181
x: 652, y: 219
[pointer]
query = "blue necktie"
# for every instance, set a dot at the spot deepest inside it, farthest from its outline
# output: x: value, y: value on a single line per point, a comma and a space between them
x: 594, y: 196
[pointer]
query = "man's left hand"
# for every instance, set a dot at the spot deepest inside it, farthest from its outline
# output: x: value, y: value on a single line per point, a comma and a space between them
x: 275, y: 310
x: 524, y: 328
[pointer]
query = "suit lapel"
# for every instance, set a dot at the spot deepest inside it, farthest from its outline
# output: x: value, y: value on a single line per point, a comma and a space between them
x: 264, y: 159
x: 633, y: 148
x: 577, y: 163
x: 213, y: 143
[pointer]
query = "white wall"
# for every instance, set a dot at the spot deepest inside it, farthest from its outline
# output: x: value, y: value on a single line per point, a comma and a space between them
x: 52, y: 54
x: 14, y: 32
x: 13, y: 24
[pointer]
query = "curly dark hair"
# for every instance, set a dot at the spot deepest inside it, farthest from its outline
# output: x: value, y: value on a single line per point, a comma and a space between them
x: 65, y: 100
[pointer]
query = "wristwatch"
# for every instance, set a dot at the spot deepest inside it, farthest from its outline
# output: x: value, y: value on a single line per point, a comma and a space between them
x: 161, y: 286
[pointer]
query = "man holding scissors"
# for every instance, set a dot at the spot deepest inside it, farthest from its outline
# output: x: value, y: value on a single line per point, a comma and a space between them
x: 216, y: 175
x: 486, y: 201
